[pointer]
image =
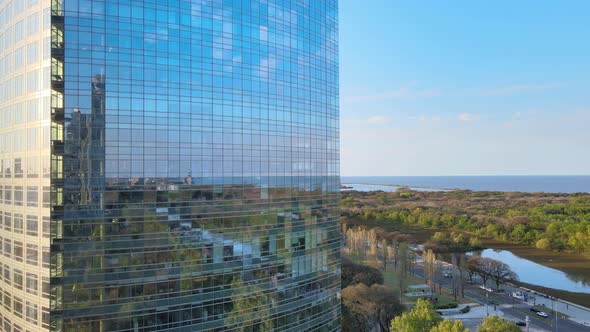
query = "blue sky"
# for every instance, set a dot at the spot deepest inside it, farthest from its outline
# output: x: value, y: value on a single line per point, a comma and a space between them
x: 465, y: 87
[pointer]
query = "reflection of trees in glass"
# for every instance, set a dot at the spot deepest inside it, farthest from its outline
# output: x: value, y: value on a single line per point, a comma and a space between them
x: 176, y: 249
x: 250, y: 308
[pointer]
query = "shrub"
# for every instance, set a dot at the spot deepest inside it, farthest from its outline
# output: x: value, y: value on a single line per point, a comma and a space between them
x: 451, y: 305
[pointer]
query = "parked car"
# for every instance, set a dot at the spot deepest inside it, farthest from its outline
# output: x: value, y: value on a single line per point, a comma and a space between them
x: 542, y: 314
x: 520, y: 323
x: 533, y: 309
x: 487, y: 289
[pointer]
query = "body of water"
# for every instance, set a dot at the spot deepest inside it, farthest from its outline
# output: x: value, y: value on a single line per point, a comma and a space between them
x: 537, y: 274
x: 382, y: 187
x: 557, y: 270
x: 549, y: 184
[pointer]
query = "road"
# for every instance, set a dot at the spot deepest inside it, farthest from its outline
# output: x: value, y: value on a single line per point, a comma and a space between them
x: 512, y: 307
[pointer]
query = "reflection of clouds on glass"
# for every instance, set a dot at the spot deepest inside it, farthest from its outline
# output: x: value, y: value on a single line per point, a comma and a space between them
x: 162, y: 34
x: 266, y: 67
x: 263, y: 33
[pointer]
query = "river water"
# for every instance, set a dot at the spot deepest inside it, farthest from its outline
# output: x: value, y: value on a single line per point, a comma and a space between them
x: 557, y: 270
x: 537, y: 274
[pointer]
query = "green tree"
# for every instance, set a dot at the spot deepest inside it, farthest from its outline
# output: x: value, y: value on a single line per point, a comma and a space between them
x: 384, y: 252
x: 450, y: 326
x: 422, y: 318
x: 372, y: 239
x: 429, y: 267
x: 518, y: 233
x: 560, y: 221
x: 543, y: 244
x: 350, y: 242
x: 459, y: 261
x: 393, y: 252
x: 459, y: 240
x: 404, y: 258
x: 441, y: 238
x: 495, y: 324
x: 475, y: 243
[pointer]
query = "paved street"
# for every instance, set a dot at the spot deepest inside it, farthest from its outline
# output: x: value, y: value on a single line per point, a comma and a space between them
x: 511, y: 307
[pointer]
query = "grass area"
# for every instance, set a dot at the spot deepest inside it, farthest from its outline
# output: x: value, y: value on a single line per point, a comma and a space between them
x: 391, y: 278
x: 444, y: 300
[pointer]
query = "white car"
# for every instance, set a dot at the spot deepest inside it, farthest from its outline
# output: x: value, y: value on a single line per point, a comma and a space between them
x: 542, y: 314
x: 486, y: 288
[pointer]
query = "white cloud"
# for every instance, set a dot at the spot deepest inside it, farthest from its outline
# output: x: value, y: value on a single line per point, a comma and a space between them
x: 378, y: 119
x: 408, y: 91
x: 425, y: 118
x: 546, y: 143
x: 468, y: 117
x: 522, y: 88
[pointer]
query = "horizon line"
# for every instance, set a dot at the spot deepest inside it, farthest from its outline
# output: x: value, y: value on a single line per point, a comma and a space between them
x: 464, y: 175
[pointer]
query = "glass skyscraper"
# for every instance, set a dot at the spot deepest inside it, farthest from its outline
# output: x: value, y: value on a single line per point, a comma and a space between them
x: 169, y: 165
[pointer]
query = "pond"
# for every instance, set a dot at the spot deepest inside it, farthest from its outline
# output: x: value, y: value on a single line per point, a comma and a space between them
x: 537, y: 274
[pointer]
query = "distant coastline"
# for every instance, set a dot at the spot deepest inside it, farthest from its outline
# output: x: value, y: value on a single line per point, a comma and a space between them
x: 549, y: 184
x: 387, y: 187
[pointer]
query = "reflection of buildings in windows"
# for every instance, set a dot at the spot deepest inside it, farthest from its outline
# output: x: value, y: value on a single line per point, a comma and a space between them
x: 85, y: 155
x: 219, y: 247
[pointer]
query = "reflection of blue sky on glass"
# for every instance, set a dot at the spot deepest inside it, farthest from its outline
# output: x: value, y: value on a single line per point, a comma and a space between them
x: 533, y: 273
x: 243, y: 83
x: 468, y: 88
x: 169, y: 107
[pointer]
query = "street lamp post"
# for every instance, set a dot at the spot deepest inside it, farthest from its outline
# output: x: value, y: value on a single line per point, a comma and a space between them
x: 554, y: 311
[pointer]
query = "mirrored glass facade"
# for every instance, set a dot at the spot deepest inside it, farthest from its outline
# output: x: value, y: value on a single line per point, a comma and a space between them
x: 169, y: 165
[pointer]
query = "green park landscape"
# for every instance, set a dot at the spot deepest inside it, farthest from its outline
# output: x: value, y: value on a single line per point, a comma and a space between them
x: 393, y: 240
x: 558, y: 222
